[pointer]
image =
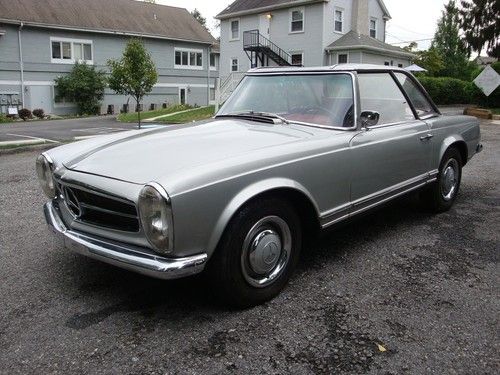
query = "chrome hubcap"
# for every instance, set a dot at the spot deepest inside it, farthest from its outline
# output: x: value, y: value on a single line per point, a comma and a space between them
x: 449, y: 179
x: 266, y: 251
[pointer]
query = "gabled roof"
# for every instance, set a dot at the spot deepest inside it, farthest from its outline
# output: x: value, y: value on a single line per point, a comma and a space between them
x: 111, y: 16
x: 241, y: 7
x: 353, y: 40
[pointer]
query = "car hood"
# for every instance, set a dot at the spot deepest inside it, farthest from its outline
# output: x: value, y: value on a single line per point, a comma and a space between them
x: 173, y: 153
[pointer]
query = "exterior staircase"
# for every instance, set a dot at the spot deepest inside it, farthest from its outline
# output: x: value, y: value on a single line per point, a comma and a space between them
x: 260, y: 49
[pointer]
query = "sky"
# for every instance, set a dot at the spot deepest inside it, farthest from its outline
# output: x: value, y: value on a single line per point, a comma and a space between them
x: 411, y: 19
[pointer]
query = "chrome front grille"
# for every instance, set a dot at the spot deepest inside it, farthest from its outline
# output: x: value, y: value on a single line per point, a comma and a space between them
x: 99, y: 209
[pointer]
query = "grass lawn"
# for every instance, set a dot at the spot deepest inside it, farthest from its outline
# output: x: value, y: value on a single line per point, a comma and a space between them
x: 495, y: 111
x: 189, y: 116
x: 132, y: 117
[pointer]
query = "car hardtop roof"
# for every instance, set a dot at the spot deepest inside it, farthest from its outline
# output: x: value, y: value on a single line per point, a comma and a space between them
x: 324, y: 69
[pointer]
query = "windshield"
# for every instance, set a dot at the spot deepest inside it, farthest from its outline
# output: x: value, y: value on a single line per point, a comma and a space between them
x: 320, y: 99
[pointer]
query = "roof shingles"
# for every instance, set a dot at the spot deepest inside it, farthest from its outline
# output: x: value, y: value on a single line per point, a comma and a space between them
x: 122, y: 16
x: 353, y: 39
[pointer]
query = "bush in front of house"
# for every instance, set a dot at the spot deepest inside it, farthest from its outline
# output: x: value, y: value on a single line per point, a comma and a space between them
x: 446, y: 90
x: 39, y: 112
x: 25, y: 114
x: 83, y: 86
x: 3, y: 118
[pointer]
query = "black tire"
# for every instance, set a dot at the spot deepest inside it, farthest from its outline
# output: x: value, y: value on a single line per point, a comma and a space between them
x: 230, y: 269
x: 434, y: 196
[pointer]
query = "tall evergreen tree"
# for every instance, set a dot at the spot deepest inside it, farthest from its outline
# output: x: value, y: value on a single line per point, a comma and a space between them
x: 480, y: 22
x: 449, y: 45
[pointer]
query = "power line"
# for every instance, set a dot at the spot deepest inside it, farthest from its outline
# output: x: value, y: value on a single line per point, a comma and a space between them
x: 405, y: 29
x: 415, y: 40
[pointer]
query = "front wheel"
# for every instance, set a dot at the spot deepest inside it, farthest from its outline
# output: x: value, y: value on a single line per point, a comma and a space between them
x: 441, y: 195
x: 257, y: 253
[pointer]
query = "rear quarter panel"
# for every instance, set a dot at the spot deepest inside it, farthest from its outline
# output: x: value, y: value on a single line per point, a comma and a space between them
x: 450, y: 129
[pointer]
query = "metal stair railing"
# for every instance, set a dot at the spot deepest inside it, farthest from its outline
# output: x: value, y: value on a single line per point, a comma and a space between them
x: 253, y: 39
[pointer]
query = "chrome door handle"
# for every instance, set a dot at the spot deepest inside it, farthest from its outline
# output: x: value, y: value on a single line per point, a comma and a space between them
x: 426, y: 137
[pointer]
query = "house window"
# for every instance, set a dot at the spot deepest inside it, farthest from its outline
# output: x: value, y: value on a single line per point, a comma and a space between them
x: 373, y: 28
x: 387, y: 63
x: 400, y: 65
x: 188, y: 58
x: 338, y: 21
x: 235, y: 30
x: 297, y: 59
x: 214, y: 61
x: 234, y: 65
x: 70, y: 51
x: 342, y: 58
x: 297, y: 20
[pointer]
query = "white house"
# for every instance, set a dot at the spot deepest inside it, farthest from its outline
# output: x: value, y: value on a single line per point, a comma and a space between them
x: 305, y: 32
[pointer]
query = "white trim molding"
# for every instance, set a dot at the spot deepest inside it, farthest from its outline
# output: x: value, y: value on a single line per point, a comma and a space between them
x: 189, y: 51
x: 72, y: 42
x: 231, y: 39
x: 290, y: 20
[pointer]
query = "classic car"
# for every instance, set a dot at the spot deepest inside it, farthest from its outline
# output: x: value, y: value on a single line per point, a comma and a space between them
x: 292, y: 151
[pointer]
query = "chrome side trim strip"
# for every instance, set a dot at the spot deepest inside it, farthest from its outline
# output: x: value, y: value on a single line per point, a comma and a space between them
x: 133, y: 258
x: 365, y: 203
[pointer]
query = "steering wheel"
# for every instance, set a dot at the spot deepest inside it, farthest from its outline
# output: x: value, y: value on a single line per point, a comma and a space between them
x: 349, y: 117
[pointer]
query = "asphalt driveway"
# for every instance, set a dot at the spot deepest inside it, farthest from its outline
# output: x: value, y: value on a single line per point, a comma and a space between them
x: 423, y: 287
x: 61, y: 130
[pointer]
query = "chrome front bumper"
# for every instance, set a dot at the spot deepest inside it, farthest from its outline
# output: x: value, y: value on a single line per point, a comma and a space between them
x: 126, y: 256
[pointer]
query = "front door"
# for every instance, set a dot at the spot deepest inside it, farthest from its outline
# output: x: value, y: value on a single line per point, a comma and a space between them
x: 392, y: 156
x: 182, y: 95
x: 264, y: 25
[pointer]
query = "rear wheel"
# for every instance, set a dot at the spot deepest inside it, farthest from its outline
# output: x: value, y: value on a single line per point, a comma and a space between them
x: 441, y: 195
x: 257, y: 253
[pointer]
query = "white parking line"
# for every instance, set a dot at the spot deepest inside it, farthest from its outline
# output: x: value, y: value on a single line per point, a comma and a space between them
x: 99, y: 130
x: 38, y: 138
x: 79, y: 138
x: 23, y: 142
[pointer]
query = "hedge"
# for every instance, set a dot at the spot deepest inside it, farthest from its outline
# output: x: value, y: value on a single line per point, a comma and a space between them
x: 445, y: 90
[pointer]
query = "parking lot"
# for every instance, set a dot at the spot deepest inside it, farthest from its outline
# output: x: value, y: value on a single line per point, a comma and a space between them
x: 399, y: 291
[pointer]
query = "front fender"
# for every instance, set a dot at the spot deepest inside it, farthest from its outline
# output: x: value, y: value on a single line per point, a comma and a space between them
x: 246, y: 194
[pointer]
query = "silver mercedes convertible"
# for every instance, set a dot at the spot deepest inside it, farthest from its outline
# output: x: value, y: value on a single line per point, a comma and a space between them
x: 291, y: 151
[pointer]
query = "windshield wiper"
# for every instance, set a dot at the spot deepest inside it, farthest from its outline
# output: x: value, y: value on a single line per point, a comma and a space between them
x: 254, y: 113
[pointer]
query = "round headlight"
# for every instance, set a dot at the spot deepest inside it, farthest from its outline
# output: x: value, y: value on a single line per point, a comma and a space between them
x: 156, y: 218
x: 45, y: 176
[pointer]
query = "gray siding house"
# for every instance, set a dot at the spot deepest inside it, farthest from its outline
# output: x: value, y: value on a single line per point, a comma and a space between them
x: 41, y: 40
x: 305, y: 32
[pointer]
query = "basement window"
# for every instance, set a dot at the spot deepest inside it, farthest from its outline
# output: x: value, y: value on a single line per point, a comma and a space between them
x: 297, y: 59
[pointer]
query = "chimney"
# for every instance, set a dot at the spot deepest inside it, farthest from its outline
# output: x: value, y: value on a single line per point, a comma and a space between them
x: 360, y: 21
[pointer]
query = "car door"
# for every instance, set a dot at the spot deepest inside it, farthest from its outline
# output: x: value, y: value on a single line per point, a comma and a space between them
x: 392, y: 156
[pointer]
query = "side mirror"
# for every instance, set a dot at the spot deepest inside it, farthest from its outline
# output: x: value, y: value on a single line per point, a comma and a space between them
x: 369, y: 118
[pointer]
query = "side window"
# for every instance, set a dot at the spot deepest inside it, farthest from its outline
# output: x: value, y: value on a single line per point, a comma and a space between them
x: 418, y: 99
x: 379, y: 92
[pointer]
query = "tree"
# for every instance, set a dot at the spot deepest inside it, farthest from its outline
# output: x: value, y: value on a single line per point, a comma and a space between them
x: 83, y: 86
x: 135, y: 74
x: 480, y: 22
x: 430, y: 60
x: 202, y: 20
x: 448, y: 43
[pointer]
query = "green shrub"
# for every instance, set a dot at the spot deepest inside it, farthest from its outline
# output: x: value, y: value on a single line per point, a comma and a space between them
x: 3, y: 118
x: 39, y: 112
x: 445, y: 90
x: 84, y: 86
x: 25, y: 114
